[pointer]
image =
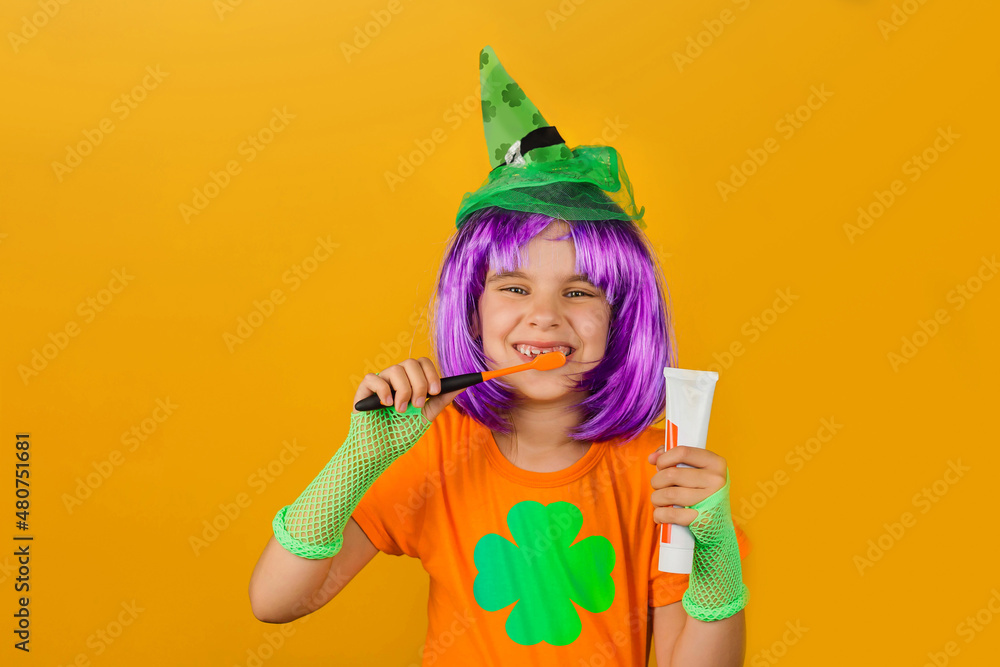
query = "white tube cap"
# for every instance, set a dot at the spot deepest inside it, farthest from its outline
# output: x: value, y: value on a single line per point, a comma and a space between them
x: 674, y: 560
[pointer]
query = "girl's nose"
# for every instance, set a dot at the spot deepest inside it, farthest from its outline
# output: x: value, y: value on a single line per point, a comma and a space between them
x: 544, y: 311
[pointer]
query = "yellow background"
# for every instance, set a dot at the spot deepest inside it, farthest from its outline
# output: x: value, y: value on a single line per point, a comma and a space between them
x: 589, y: 66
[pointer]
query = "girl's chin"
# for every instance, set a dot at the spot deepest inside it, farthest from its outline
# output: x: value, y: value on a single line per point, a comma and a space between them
x: 541, y: 390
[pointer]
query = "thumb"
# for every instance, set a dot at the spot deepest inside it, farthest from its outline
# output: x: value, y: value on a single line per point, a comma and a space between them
x: 435, y: 405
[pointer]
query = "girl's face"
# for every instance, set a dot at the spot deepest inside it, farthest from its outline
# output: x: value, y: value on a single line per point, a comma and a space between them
x: 544, y: 305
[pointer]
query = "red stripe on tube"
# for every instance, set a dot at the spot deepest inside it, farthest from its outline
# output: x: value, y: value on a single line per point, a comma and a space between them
x: 671, y: 443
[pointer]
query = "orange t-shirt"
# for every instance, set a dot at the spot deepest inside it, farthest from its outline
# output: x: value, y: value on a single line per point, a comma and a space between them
x: 526, y: 568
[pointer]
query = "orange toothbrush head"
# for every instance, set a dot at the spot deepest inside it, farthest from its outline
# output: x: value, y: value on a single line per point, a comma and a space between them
x: 543, y: 362
x: 548, y: 361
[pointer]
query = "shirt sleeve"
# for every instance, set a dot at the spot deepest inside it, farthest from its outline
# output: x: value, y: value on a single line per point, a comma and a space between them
x: 391, y: 513
x: 667, y: 587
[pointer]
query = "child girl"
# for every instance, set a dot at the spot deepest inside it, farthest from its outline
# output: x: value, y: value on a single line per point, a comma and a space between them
x: 531, y: 500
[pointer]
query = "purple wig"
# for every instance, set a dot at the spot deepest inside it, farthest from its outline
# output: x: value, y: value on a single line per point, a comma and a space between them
x: 625, y: 390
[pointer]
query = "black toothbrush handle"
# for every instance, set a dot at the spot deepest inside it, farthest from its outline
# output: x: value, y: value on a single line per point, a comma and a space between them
x: 448, y: 384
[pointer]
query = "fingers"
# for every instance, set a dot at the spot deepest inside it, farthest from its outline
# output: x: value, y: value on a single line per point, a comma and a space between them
x: 677, y: 495
x: 693, y: 478
x: 417, y: 390
x: 431, y: 375
x: 692, y: 456
x: 437, y: 401
x: 389, y: 380
x: 408, y: 381
x: 679, y: 516
x: 375, y: 384
x: 411, y: 380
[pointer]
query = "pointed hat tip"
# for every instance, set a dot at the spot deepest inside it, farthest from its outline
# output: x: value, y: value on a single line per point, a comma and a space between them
x: 487, y: 54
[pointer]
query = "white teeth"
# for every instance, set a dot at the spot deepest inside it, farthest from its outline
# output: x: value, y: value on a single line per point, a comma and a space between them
x: 534, y: 351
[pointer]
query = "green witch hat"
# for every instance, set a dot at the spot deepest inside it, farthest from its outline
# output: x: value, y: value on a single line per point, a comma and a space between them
x: 532, y: 168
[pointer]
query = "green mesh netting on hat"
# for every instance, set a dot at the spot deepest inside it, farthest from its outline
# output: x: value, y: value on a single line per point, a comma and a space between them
x: 591, y: 186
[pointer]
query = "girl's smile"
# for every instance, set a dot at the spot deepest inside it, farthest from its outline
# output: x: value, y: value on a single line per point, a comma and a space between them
x: 542, y: 306
x: 543, y: 346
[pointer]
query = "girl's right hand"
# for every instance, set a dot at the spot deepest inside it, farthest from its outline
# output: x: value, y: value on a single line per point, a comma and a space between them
x: 411, y: 379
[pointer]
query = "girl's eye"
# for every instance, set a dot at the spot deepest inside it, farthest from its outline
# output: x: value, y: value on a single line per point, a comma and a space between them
x: 576, y: 291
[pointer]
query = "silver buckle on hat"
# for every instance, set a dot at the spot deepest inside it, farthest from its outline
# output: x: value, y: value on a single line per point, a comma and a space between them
x: 514, y: 155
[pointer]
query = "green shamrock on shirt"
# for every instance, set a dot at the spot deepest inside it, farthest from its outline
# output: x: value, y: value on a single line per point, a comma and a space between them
x: 542, y: 574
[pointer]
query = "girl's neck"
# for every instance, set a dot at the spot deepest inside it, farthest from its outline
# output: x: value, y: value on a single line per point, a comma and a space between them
x: 539, y: 442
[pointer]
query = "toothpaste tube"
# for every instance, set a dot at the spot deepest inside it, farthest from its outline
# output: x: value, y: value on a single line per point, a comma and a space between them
x: 689, y: 402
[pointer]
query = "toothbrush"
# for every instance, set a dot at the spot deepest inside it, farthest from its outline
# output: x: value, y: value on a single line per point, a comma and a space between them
x: 546, y: 361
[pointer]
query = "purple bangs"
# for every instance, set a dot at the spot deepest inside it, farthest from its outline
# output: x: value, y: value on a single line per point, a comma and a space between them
x: 625, y: 390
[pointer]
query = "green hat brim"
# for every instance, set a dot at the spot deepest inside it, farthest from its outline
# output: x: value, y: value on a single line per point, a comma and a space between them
x: 604, y: 191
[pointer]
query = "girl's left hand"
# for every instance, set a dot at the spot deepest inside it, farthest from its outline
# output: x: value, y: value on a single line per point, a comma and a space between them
x: 684, y: 486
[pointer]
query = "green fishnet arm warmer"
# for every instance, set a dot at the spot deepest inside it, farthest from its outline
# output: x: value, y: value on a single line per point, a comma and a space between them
x: 715, y: 587
x: 313, y: 525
